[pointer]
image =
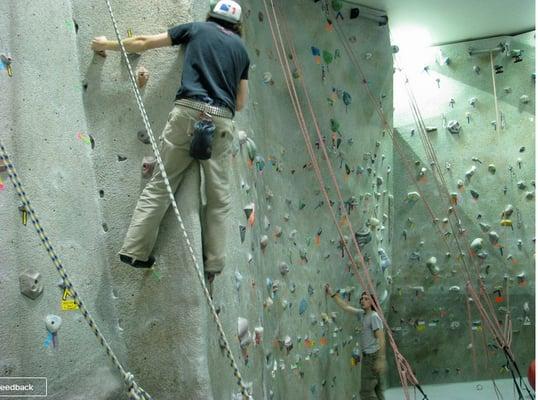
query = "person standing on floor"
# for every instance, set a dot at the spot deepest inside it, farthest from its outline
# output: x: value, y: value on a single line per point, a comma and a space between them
x: 213, y: 87
x: 372, y: 341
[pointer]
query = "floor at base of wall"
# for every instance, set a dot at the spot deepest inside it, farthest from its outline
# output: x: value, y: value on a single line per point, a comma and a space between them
x: 478, y: 390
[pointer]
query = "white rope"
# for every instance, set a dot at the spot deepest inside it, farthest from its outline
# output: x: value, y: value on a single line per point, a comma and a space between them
x: 497, y: 119
x: 229, y: 354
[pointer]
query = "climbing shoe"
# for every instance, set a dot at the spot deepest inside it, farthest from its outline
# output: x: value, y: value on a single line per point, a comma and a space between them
x: 137, y: 263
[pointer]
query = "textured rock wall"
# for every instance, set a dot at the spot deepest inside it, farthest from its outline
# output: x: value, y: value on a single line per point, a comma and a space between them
x: 70, y: 124
x: 486, y: 170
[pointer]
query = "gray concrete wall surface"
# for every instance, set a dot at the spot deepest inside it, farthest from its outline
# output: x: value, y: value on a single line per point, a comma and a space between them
x: 287, y: 197
x: 44, y: 128
x: 446, y: 342
x: 70, y: 123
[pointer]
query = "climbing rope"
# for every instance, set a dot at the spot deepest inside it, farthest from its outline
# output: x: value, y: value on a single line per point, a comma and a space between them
x: 443, y: 188
x: 135, y: 391
x: 404, y: 369
x: 228, y: 351
x: 497, y: 119
x: 481, y: 299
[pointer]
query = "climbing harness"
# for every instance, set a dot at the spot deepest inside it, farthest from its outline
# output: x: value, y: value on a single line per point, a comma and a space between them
x: 224, y: 340
x: 135, y: 392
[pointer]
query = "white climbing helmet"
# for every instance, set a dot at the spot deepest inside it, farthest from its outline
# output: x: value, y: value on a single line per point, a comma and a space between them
x: 227, y: 10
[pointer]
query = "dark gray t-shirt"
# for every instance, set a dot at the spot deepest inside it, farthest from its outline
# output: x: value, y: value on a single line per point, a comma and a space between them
x: 215, y: 61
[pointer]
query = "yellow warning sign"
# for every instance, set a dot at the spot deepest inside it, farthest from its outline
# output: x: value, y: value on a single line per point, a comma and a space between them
x: 67, y: 303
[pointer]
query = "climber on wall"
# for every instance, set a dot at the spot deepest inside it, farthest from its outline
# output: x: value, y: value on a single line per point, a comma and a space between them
x: 200, y: 127
x: 372, y: 340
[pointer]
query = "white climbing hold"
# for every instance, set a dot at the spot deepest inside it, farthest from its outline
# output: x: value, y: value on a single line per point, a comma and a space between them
x: 431, y: 264
x: 384, y: 258
x: 245, y: 337
x: 470, y: 172
x: 493, y: 237
x: 268, y: 78
x: 242, y: 137
x: 453, y: 126
x: 373, y: 222
x: 53, y: 323
x: 477, y: 244
x: 507, y: 211
x: 413, y: 196
x: 264, y: 241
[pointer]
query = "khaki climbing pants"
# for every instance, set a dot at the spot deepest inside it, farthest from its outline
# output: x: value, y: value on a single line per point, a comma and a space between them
x: 371, y: 381
x: 155, y: 200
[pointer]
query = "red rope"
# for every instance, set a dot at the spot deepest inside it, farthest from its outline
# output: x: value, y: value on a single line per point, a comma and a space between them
x: 503, y: 339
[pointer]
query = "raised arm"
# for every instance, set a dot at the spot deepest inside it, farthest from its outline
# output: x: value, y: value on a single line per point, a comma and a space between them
x: 136, y: 44
x: 340, y: 302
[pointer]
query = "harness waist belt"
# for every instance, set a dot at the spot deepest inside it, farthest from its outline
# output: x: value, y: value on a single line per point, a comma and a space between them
x: 201, y: 106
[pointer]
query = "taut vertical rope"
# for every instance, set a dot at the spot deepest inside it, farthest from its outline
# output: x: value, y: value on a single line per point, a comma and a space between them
x: 228, y: 351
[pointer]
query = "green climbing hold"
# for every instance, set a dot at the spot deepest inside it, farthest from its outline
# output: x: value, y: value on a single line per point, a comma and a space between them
x: 346, y: 97
x: 337, y: 5
x: 260, y: 163
x: 327, y: 57
x: 335, y: 126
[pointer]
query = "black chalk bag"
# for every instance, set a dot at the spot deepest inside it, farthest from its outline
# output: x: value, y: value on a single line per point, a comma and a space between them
x: 202, y: 140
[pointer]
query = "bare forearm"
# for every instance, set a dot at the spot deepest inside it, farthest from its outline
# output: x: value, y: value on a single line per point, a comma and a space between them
x: 132, y: 45
x: 339, y: 301
x: 344, y: 305
x: 381, y: 340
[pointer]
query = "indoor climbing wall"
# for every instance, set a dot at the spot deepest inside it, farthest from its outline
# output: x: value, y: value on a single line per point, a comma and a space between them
x: 293, y: 341
x: 45, y: 132
x: 72, y: 128
x: 484, y: 220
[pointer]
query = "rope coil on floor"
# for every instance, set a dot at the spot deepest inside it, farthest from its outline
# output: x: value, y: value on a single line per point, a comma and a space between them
x: 135, y: 392
x: 228, y: 351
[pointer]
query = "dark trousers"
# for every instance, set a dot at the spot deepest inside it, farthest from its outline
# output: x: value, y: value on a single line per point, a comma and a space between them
x: 371, y: 381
